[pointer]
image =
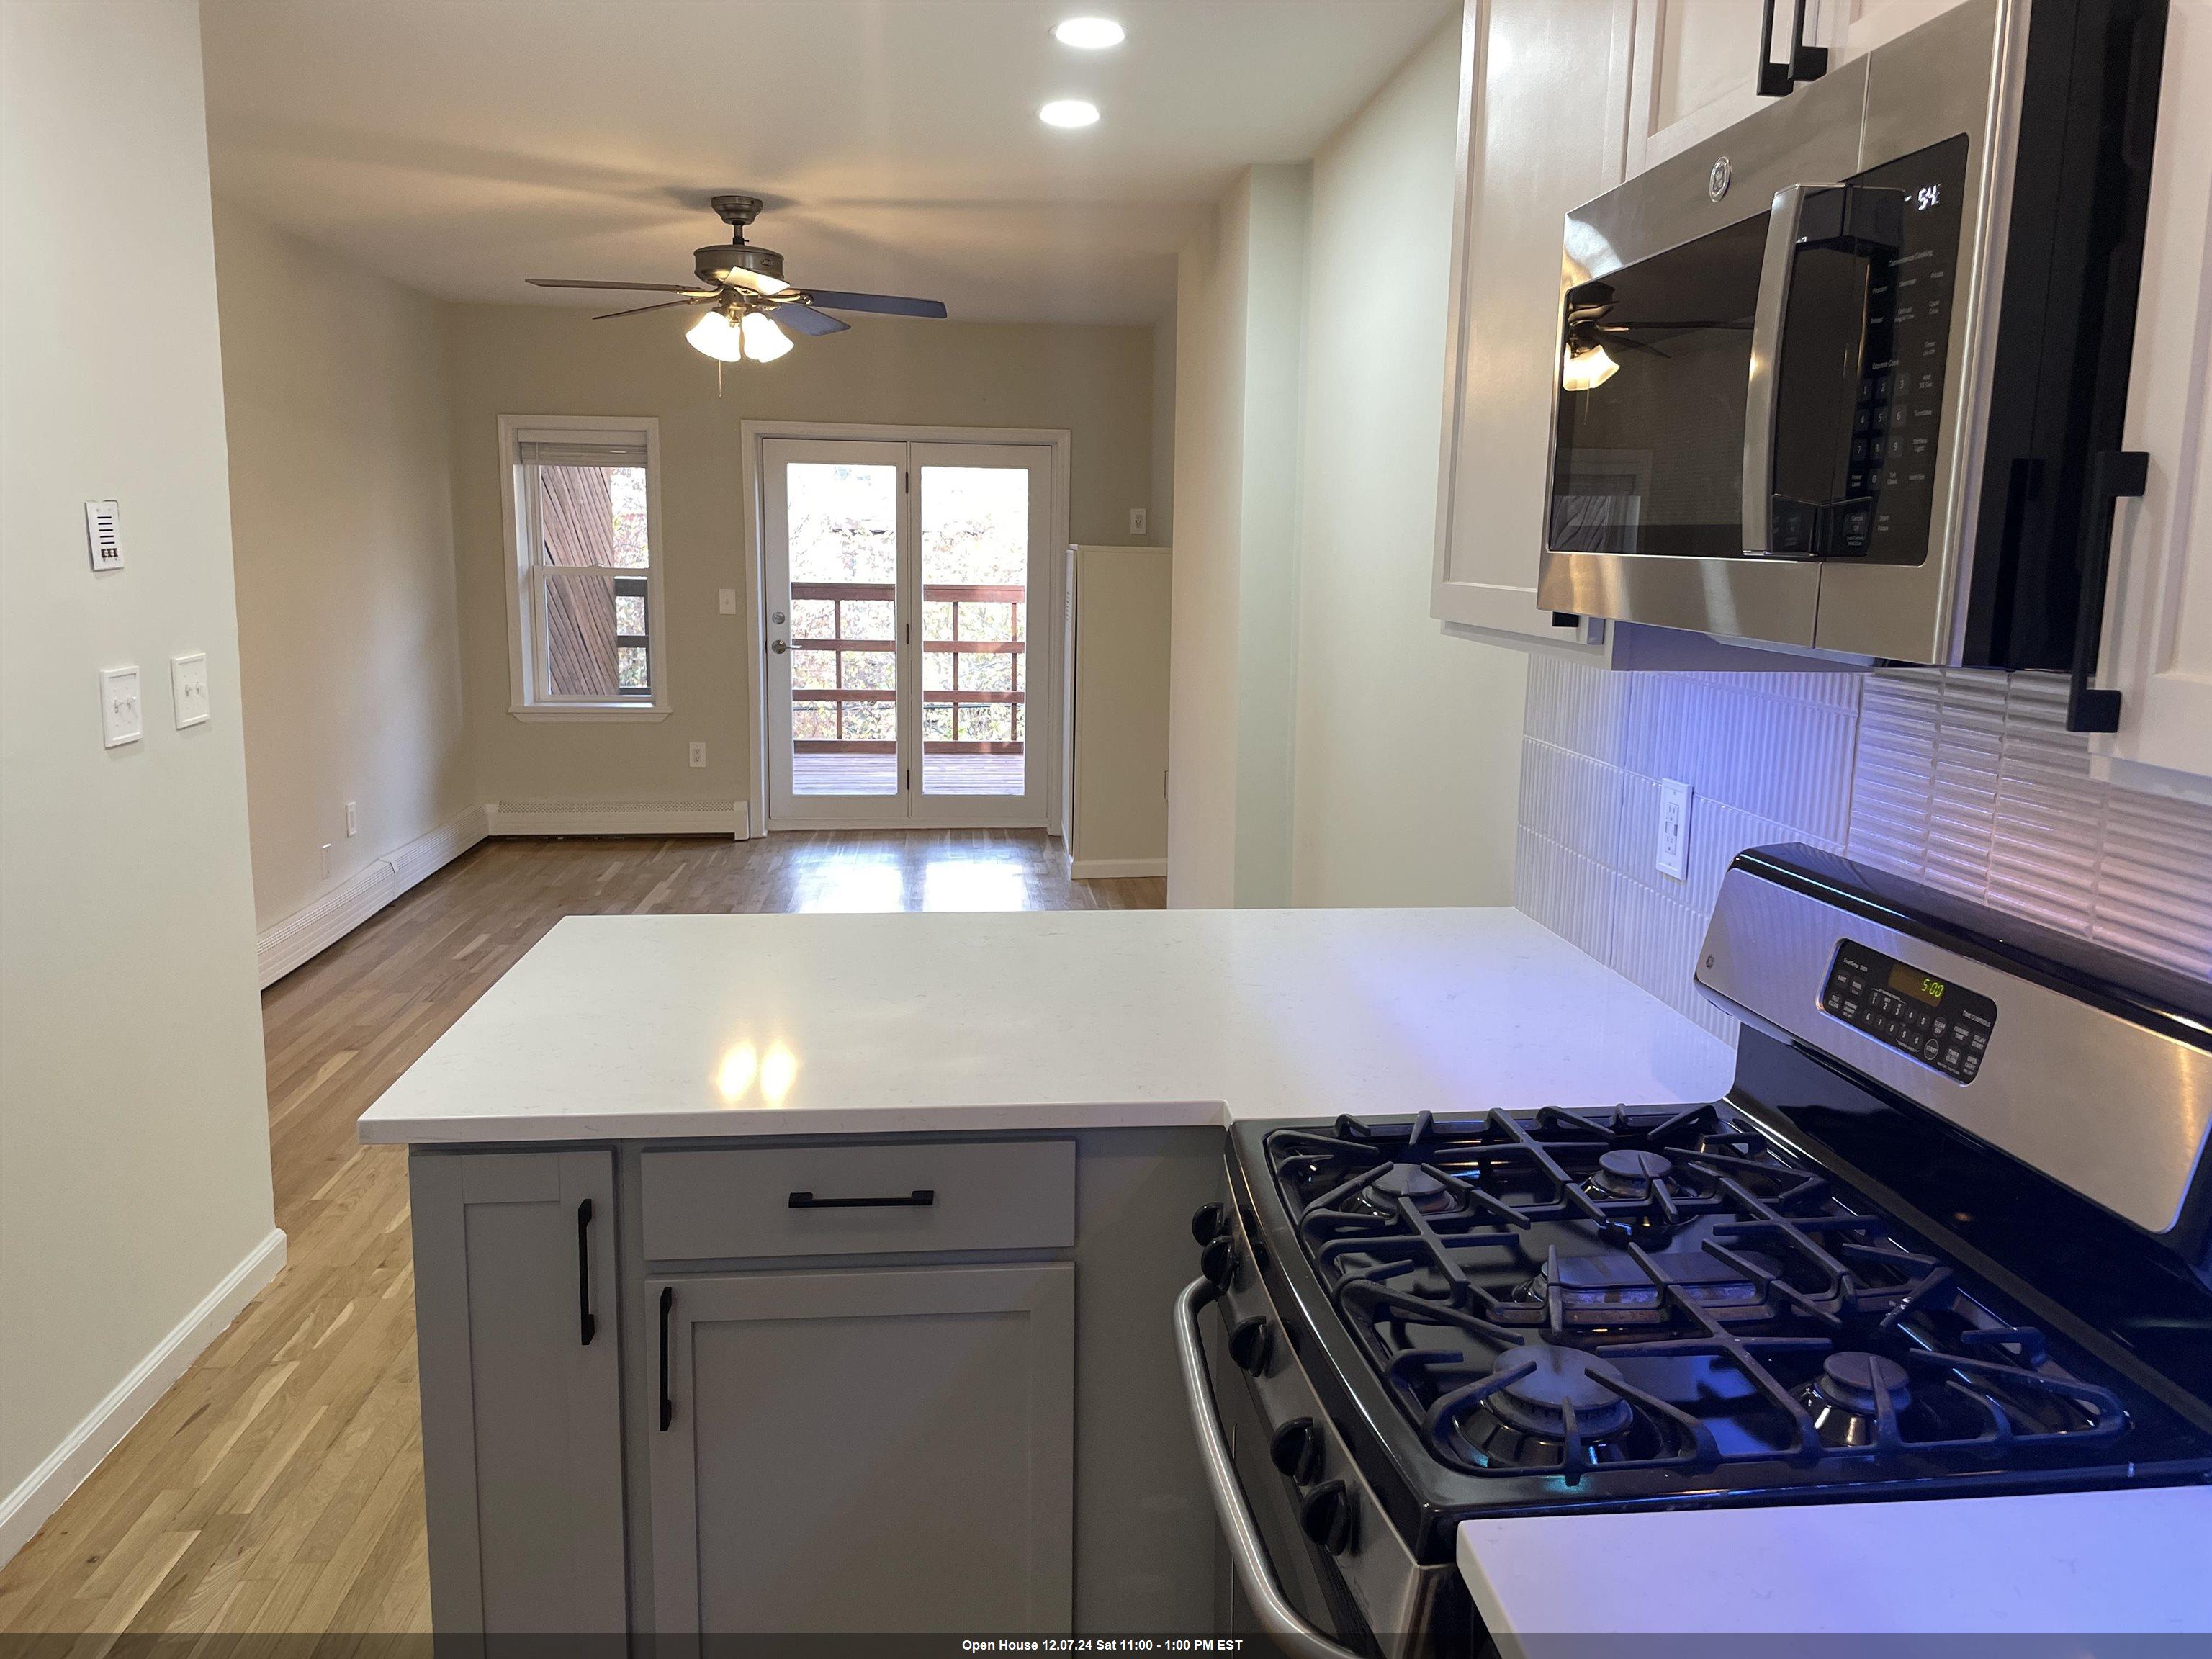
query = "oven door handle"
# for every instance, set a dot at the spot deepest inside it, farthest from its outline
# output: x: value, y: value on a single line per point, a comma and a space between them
x: 1253, y: 1570
x: 1763, y: 397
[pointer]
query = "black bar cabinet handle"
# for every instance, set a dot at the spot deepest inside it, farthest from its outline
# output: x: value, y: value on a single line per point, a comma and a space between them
x: 1774, y: 79
x: 920, y: 1198
x: 2113, y: 473
x: 1806, y: 63
x: 667, y: 1405
x: 589, y: 1325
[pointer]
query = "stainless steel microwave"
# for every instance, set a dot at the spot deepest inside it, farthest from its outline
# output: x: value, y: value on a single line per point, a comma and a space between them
x: 1841, y: 377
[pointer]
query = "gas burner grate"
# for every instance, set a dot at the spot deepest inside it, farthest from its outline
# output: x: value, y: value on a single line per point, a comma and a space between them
x: 1580, y: 1290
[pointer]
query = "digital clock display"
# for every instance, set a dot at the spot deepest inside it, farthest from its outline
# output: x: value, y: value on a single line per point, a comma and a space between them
x: 1908, y: 980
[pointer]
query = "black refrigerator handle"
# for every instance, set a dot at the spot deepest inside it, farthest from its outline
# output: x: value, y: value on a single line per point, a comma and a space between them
x: 2113, y: 474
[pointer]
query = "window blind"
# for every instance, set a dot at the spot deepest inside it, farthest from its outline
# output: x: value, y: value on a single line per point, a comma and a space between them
x: 550, y: 454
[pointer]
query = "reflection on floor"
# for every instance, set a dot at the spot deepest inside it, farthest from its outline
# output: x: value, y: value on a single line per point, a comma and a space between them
x: 877, y: 774
x: 279, y: 1486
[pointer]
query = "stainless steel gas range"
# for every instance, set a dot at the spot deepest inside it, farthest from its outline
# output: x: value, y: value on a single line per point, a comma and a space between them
x: 1947, y: 1234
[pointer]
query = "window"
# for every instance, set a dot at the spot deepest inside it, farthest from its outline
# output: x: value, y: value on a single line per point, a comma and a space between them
x: 583, y: 497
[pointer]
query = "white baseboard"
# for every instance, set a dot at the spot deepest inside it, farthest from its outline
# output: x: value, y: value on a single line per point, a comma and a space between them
x: 27, y: 1508
x: 324, y: 920
x: 632, y: 818
x: 1100, y: 869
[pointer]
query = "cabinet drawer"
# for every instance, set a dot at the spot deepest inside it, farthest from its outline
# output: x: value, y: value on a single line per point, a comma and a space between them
x: 852, y: 1200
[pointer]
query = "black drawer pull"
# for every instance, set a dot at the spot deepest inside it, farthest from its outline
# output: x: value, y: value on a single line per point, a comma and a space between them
x: 920, y: 1197
x: 667, y: 1405
x: 584, y: 1271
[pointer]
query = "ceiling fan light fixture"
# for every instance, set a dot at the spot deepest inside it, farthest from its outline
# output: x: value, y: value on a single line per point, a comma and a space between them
x: 1069, y: 113
x: 1585, y: 368
x: 1090, y: 34
x: 718, y: 337
x: 764, y: 342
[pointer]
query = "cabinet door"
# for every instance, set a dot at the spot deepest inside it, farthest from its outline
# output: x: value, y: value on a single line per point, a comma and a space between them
x: 521, y: 1402
x: 1854, y: 27
x: 1543, y: 95
x: 864, y: 1450
x: 2158, y: 642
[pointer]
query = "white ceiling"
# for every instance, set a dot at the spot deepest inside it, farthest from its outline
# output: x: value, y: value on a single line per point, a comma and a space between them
x: 462, y: 145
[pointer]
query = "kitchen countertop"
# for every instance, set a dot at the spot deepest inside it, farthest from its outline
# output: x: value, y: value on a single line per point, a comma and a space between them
x: 2111, y: 1562
x: 644, y: 1027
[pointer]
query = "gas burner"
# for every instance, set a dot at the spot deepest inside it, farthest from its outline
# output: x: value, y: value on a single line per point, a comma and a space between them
x: 1425, y: 1191
x: 1552, y: 1380
x: 1856, y: 1382
x: 1629, y: 1173
x: 1607, y: 1288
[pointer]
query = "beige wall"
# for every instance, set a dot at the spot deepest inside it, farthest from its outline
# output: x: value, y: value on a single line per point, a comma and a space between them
x: 1239, y: 316
x: 1408, y: 742
x: 537, y: 359
x: 1121, y: 710
x: 342, y: 539
x: 134, y: 1149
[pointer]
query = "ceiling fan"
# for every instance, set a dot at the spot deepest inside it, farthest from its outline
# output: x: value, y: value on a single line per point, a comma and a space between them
x: 749, y: 302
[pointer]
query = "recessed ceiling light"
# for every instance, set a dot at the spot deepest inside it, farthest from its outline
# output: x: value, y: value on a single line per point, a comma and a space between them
x: 1090, y: 34
x: 1068, y: 113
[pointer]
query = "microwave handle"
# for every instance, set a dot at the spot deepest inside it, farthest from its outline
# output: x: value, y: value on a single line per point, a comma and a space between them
x: 1763, y: 399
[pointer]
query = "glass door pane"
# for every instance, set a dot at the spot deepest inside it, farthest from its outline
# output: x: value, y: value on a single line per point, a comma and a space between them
x: 974, y: 629
x: 843, y: 539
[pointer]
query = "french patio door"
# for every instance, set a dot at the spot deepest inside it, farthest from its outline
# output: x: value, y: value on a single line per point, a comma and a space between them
x: 896, y: 594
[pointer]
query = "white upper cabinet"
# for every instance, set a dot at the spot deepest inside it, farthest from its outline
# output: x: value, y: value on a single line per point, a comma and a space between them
x: 2157, y: 652
x: 1696, y: 71
x: 1543, y: 97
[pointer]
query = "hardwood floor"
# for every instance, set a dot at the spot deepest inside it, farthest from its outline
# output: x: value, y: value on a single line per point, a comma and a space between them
x: 279, y: 1486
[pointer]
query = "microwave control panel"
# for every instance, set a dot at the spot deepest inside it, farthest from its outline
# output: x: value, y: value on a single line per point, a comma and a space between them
x: 1939, y: 1024
x: 1891, y: 484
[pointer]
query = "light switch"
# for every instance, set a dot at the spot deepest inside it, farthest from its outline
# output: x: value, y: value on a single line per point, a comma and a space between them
x: 729, y: 601
x: 103, y: 539
x: 121, y: 720
x: 188, y: 689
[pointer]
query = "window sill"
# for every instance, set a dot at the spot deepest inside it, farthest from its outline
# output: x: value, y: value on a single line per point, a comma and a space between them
x: 615, y: 712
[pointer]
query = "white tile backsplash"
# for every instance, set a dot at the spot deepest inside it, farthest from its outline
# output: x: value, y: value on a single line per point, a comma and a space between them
x: 1965, y: 779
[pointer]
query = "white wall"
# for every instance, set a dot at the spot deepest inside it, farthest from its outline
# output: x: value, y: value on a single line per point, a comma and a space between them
x: 1408, y: 742
x: 342, y: 514
x: 134, y: 1148
x: 1239, y: 310
x: 1120, y: 822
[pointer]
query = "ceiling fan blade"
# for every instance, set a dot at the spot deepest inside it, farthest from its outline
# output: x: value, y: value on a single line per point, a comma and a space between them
x: 634, y: 310
x: 640, y: 288
x: 890, y: 305
x: 806, y: 319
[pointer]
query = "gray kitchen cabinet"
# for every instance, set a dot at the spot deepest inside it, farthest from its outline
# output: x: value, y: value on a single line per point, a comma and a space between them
x: 515, y: 1293
x: 863, y: 1449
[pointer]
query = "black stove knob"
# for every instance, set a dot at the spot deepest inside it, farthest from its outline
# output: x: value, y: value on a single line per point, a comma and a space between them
x: 1209, y: 1222
x: 1326, y: 1517
x: 1218, y: 1262
x: 1251, y: 1342
x: 1295, y: 1450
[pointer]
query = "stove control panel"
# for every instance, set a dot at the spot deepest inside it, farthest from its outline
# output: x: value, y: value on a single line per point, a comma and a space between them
x: 1939, y: 1024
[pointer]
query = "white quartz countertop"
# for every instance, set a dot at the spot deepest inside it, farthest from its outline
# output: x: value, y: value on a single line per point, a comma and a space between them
x: 2110, y: 1563
x: 643, y: 1027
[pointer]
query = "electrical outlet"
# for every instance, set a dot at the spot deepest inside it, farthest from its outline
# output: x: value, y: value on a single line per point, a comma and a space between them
x: 353, y: 817
x: 729, y: 601
x: 121, y: 719
x: 188, y: 690
x: 1673, y: 856
x: 1136, y: 521
x: 698, y: 754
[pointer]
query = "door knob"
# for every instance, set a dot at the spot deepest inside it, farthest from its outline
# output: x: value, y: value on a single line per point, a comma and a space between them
x: 778, y: 646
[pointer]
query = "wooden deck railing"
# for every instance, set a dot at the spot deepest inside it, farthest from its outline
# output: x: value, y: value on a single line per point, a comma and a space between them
x: 841, y: 695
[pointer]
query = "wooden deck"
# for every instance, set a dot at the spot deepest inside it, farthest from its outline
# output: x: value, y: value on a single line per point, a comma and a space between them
x: 877, y: 774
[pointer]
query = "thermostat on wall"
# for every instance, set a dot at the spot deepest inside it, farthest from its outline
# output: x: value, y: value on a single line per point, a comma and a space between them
x: 102, y: 537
